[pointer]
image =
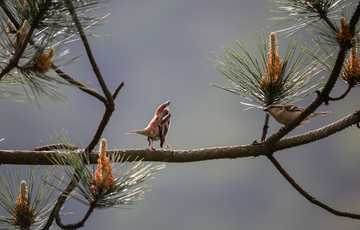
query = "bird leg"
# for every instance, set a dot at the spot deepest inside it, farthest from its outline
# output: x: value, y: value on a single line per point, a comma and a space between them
x: 150, y: 143
x: 152, y: 146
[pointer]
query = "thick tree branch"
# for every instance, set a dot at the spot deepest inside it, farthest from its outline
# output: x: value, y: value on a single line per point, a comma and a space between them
x: 181, y: 156
x: 320, y: 133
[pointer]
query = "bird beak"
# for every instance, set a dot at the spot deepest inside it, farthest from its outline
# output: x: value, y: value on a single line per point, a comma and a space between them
x: 266, y: 109
x: 167, y: 103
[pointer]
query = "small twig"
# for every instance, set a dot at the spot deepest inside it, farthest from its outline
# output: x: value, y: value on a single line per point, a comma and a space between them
x: 61, y: 200
x: 89, y: 53
x: 9, y: 14
x: 74, y: 82
x: 350, y: 86
x: 265, y: 127
x: 55, y: 147
x: 117, y: 90
x: 101, y: 127
x: 81, y: 222
x: 306, y: 194
x: 323, y: 15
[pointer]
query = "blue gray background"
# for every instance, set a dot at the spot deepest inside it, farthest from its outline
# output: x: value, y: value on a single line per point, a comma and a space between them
x: 162, y: 50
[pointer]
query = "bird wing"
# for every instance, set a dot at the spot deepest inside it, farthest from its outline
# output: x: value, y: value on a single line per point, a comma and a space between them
x: 165, y: 118
x: 164, y: 126
x: 293, y: 108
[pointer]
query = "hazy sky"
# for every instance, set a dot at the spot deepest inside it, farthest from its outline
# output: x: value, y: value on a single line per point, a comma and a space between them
x: 162, y: 50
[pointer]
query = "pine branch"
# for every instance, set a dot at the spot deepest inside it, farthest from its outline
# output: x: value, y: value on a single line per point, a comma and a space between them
x: 61, y: 73
x: 16, y: 57
x: 109, y: 102
x: 323, y: 96
x: 109, y: 109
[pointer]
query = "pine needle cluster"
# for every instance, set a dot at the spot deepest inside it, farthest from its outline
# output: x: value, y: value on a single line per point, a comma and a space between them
x: 305, y: 13
x: 29, y: 206
x: 107, y: 185
x: 268, y: 80
x: 36, y: 31
x: 351, y: 73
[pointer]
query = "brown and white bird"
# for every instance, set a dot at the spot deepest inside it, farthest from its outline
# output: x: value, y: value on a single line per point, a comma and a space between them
x: 158, y: 127
x: 285, y: 113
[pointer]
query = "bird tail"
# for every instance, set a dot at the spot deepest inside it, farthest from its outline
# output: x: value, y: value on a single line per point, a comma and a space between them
x: 141, y: 132
x: 322, y: 113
